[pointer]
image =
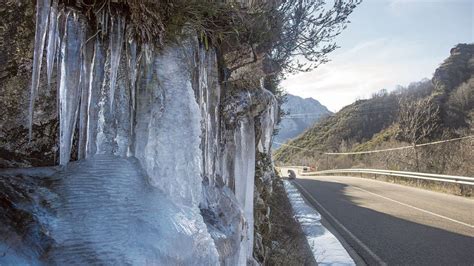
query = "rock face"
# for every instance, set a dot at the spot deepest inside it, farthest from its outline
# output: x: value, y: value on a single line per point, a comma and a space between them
x: 456, y: 69
x: 158, y: 159
x: 454, y: 87
x: 16, y: 45
x: 302, y: 114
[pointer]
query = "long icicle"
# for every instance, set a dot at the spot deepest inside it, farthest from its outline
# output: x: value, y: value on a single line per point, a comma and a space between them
x: 52, y: 41
x: 132, y: 70
x: 42, y: 14
x: 116, y: 44
x: 87, y: 49
x: 95, y: 83
x: 69, y: 88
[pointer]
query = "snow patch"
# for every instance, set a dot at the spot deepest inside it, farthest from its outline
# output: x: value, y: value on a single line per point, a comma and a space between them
x: 327, y: 250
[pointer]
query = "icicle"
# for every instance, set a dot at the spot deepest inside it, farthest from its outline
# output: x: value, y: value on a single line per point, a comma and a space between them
x: 148, y: 54
x: 122, y: 114
x: 87, y: 53
x: 60, y: 33
x: 267, y: 122
x: 149, y: 64
x: 52, y: 41
x: 132, y: 70
x: 69, y: 88
x: 116, y: 43
x: 102, y: 23
x: 96, y: 79
x: 106, y: 22
x: 42, y: 13
x: 244, y: 174
x: 209, y: 98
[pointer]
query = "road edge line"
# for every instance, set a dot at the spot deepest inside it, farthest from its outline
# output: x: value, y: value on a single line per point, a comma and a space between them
x: 340, y: 225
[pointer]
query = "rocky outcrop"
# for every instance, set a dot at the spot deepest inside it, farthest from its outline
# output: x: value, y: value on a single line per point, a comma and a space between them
x: 453, y: 86
x: 456, y: 69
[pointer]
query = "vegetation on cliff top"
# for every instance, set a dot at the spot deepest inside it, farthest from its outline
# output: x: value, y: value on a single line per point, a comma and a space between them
x: 279, y: 29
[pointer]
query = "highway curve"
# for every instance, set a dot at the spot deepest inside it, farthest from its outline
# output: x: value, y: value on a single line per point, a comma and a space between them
x: 387, y: 223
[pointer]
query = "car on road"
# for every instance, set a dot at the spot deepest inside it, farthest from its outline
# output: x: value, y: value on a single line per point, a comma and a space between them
x: 305, y: 169
x: 291, y: 174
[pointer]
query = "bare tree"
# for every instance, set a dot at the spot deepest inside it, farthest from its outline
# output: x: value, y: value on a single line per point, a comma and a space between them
x: 418, y: 120
x: 307, y: 34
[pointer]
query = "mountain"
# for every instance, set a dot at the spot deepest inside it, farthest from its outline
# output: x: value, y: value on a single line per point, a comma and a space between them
x: 301, y: 114
x: 445, y: 109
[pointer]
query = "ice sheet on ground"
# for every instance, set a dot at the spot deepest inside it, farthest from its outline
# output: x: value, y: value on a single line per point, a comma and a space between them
x: 327, y: 250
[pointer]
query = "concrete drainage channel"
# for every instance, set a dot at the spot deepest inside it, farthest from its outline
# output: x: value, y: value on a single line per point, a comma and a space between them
x: 325, y: 246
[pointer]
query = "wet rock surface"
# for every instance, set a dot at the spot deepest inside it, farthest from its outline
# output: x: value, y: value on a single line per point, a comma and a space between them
x: 16, y: 59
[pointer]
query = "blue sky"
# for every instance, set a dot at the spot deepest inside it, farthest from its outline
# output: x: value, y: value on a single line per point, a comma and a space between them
x: 387, y: 43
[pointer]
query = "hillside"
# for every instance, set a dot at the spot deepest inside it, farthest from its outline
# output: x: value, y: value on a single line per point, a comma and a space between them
x: 301, y: 114
x: 354, y: 123
x: 379, y: 122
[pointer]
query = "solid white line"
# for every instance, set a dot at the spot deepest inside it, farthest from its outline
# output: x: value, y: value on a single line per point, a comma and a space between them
x: 357, y: 240
x: 416, y: 208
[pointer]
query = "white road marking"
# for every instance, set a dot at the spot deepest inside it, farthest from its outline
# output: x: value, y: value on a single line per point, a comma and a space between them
x: 357, y: 240
x: 416, y: 208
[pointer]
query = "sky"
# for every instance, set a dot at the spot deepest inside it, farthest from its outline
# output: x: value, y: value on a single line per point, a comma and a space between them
x: 388, y: 43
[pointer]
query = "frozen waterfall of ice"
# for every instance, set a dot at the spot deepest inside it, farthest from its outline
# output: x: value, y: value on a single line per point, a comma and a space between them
x: 172, y: 156
x: 109, y: 214
x: 162, y: 177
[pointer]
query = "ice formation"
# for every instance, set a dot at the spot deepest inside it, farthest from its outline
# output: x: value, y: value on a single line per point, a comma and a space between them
x: 115, y: 48
x: 244, y: 173
x: 149, y: 229
x: 42, y: 16
x: 191, y: 186
x: 69, y: 83
x: 326, y: 248
x: 52, y: 40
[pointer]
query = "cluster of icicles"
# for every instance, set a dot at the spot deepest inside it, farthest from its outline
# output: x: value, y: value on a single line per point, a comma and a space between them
x: 80, y: 56
x: 114, y: 93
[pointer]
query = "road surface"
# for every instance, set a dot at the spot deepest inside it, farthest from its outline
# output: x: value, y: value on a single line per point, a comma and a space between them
x: 392, y: 224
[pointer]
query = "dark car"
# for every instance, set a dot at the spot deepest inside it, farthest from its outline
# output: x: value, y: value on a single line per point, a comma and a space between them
x: 291, y: 174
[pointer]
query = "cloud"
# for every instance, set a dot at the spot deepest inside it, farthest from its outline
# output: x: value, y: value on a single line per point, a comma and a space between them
x: 362, y: 70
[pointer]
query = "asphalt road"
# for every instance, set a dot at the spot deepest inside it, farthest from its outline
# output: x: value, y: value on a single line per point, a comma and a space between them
x: 392, y: 224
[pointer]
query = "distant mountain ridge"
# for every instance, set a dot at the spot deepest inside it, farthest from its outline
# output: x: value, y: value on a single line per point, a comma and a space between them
x: 302, y: 113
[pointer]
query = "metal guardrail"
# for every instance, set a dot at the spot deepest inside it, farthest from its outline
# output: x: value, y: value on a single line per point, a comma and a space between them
x: 425, y: 176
